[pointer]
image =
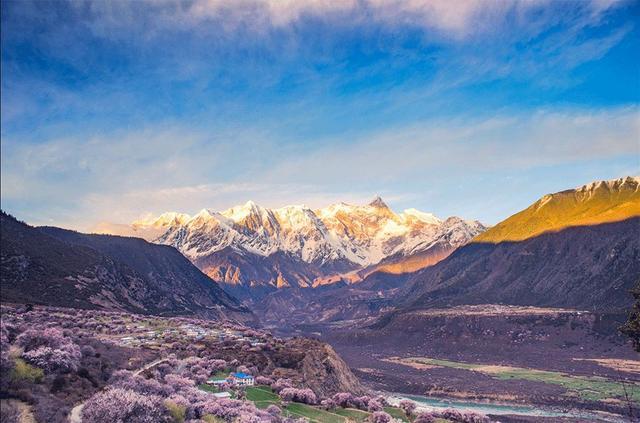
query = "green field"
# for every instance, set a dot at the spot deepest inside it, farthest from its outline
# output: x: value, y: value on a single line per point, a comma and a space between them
x: 590, y: 388
x: 261, y: 393
x: 263, y: 397
x: 264, y: 404
x: 208, y: 388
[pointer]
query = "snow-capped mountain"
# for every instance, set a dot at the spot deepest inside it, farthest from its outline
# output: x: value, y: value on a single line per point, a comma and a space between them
x: 250, y: 245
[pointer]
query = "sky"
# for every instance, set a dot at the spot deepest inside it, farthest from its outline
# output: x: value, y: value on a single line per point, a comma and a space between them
x: 116, y: 110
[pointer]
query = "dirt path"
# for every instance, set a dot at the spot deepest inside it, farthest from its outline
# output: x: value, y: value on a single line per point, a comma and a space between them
x: 75, y: 416
x: 149, y: 366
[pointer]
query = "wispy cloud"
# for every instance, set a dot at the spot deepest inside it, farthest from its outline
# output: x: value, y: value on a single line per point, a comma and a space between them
x: 123, y: 175
x: 458, y: 20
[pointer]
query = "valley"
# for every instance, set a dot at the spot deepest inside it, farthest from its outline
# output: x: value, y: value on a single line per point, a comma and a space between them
x: 496, y: 354
x: 386, y: 310
x: 320, y: 211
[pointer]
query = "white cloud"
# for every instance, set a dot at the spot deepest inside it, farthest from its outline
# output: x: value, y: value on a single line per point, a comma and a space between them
x: 520, y: 141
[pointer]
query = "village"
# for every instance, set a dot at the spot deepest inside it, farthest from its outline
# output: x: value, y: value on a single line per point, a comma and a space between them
x: 148, y: 334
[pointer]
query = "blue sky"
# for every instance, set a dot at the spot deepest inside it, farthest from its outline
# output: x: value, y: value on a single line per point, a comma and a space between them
x: 113, y: 110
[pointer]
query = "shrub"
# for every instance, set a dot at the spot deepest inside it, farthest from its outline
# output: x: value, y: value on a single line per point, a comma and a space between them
x: 380, y: 417
x: 176, y: 411
x: 328, y: 404
x: 88, y: 351
x: 23, y: 371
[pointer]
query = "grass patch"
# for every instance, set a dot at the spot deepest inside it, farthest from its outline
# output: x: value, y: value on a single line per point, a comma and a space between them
x: 314, y: 414
x: 261, y: 393
x: 264, y: 404
x: 590, y: 388
x: 23, y: 371
x: 351, y: 413
x: 208, y: 388
x: 396, y: 413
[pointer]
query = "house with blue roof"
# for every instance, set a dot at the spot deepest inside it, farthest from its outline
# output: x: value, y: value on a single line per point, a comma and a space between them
x: 241, y: 379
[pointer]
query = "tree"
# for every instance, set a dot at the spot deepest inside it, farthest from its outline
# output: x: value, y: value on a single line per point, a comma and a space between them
x: 281, y: 384
x: 49, y: 349
x: 306, y: 396
x: 51, y: 360
x: 263, y: 380
x: 632, y: 327
x: 424, y: 418
x: 380, y: 417
x: 408, y: 407
x: 124, y: 406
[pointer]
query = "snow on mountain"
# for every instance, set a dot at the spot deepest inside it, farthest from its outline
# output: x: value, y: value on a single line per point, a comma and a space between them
x: 362, y: 235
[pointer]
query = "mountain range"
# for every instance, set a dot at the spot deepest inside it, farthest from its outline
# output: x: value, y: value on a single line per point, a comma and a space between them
x: 559, y: 260
x: 53, y: 266
x: 256, y: 250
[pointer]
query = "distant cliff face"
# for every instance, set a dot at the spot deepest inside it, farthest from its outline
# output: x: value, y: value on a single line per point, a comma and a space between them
x: 57, y: 267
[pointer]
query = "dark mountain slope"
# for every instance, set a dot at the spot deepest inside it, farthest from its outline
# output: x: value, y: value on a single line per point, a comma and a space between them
x: 57, y: 267
x: 588, y: 267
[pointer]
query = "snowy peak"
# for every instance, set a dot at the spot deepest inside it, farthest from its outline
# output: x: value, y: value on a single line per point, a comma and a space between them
x: 378, y: 203
x: 630, y: 183
x: 344, y: 234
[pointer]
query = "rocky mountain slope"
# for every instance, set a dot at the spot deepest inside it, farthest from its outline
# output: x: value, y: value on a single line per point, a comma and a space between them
x: 556, y: 262
x: 53, y: 266
x: 252, y: 247
x: 588, y: 267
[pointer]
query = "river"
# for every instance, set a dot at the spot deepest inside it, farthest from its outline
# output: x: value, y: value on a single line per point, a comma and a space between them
x: 439, y: 404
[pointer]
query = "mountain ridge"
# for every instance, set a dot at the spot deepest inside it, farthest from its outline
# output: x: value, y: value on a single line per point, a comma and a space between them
x: 594, y: 203
x: 53, y: 266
